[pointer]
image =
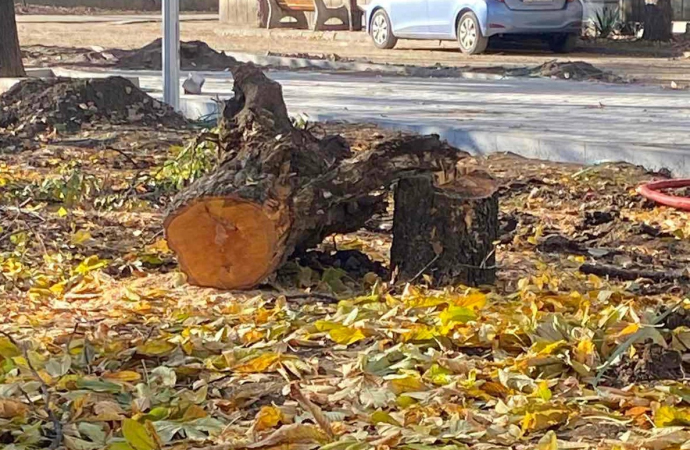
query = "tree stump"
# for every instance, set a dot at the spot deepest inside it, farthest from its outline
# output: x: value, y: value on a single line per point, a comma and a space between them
x: 658, y: 21
x: 280, y: 189
x: 445, y: 231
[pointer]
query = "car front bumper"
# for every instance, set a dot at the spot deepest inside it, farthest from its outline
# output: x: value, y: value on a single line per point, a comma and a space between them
x: 502, y: 20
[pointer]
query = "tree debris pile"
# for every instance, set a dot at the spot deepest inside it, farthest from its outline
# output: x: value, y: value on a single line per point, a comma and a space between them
x: 194, y: 55
x: 280, y: 190
x: 568, y: 70
x: 39, y: 108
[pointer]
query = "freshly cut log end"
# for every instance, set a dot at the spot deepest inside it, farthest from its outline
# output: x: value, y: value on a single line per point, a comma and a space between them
x: 226, y: 243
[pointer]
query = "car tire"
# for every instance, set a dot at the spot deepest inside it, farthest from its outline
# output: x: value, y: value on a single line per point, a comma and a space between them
x: 470, y: 37
x: 563, y: 43
x: 381, y: 31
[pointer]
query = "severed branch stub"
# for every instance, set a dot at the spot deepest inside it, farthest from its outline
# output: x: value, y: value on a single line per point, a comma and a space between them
x: 280, y: 190
x: 445, y: 229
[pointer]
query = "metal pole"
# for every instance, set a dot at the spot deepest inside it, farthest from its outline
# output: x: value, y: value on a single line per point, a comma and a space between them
x: 171, y: 53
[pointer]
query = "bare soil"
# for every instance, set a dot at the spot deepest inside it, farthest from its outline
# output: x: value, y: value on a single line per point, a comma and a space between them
x: 38, y: 108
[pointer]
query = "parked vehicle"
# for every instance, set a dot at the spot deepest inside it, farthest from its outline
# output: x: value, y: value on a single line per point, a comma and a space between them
x: 473, y: 22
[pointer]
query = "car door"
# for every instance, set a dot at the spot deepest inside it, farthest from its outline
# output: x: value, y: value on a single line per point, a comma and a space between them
x: 441, y: 18
x: 409, y: 18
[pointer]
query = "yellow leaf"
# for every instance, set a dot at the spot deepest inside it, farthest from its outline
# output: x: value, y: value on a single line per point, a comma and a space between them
x: 585, y: 353
x: 160, y: 246
x: 629, y: 330
x: 90, y: 264
x: 11, y: 408
x: 62, y: 212
x: 543, y: 391
x: 125, y: 375
x: 407, y: 384
x: 424, y: 302
x: 548, y: 442
x: 473, y: 301
x: 346, y: 335
x: 260, y: 364
x: 138, y: 435
x: 80, y: 237
x: 541, y: 420
x: 669, y: 416
x: 384, y: 417
x: 8, y: 349
x: 420, y: 332
x: 155, y: 348
x: 268, y: 417
x: 252, y: 336
x: 457, y: 314
x: 340, y: 333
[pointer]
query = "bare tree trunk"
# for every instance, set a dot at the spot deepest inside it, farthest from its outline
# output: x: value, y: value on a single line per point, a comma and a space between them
x: 658, y: 21
x: 10, y: 55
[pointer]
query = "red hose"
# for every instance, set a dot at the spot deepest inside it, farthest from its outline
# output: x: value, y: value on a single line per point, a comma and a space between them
x: 651, y: 191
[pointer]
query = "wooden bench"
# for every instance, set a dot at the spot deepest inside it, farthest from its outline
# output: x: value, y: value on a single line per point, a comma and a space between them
x: 348, y: 14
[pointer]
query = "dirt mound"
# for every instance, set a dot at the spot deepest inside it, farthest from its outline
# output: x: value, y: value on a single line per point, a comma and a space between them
x: 194, y: 55
x: 63, y: 105
x: 569, y: 70
x: 47, y: 55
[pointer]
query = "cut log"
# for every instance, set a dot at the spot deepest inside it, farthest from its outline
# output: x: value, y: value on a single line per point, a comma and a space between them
x: 445, y: 231
x: 280, y: 190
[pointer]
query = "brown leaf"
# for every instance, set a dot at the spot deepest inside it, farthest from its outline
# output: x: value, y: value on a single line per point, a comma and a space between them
x: 12, y: 408
x: 315, y: 411
x: 292, y: 434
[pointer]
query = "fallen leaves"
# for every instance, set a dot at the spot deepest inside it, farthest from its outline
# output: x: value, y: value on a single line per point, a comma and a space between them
x: 136, y: 359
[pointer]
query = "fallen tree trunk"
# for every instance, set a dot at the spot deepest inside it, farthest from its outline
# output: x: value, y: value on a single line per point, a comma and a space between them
x: 445, y: 231
x: 281, y: 190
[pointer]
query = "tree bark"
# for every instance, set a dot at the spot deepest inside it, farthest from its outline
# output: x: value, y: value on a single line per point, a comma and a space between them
x: 281, y: 190
x: 446, y: 232
x: 658, y: 21
x: 10, y: 54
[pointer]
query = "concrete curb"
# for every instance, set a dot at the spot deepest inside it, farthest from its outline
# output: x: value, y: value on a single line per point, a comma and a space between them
x: 486, y: 142
x: 387, y: 69
x: 344, y: 36
x: 115, y: 19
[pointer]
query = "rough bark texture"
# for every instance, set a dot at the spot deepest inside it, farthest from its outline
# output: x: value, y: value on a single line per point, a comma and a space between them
x: 658, y: 21
x: 10, y: 55
x: 445, y: 232
x: 281, y: 190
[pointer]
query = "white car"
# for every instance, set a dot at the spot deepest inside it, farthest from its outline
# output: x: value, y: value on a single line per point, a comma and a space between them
x: 473, y: 22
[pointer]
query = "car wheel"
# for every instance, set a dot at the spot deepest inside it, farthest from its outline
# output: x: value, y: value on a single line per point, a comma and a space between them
x: 563, y: 43
x: 381, y: 31
x: 470, y: 37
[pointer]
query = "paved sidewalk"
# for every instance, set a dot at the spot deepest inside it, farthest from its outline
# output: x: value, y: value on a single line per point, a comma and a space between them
x: 549, y: 119
x: 116, y: 18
